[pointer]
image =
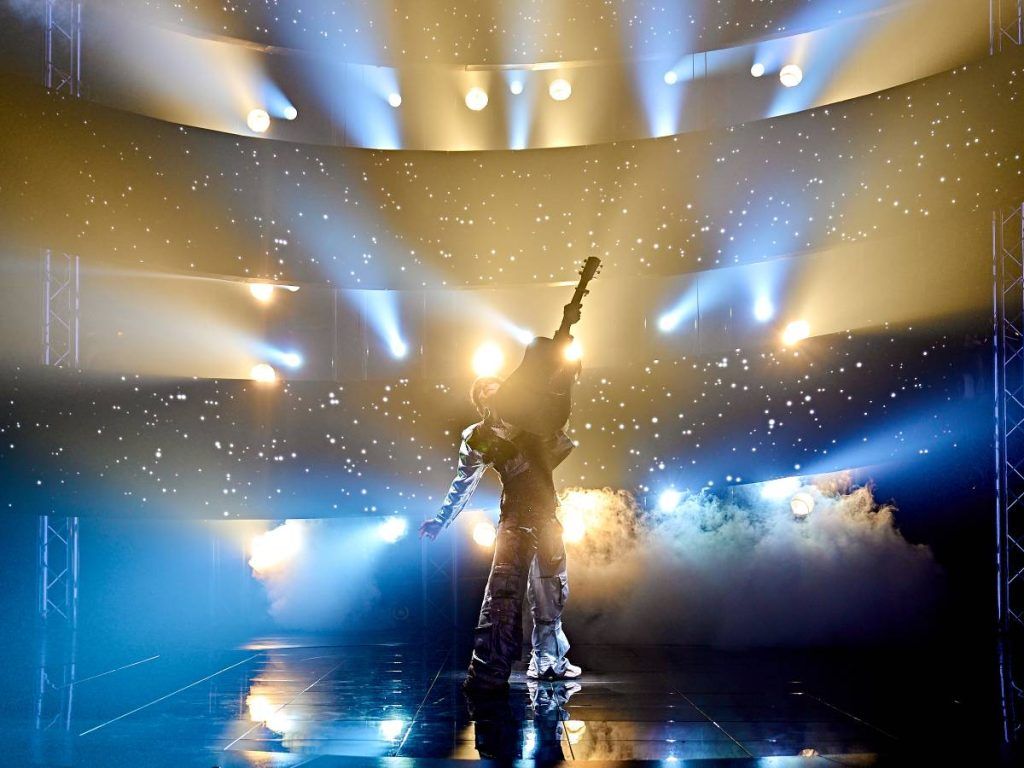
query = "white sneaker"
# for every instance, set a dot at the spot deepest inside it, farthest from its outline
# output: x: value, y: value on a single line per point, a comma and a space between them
x: 571, y: 672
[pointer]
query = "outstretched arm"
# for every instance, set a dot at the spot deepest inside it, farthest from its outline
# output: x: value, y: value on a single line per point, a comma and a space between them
x: 471, y: 469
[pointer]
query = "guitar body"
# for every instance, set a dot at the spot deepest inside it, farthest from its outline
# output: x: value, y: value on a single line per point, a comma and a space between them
x: 537, y: 397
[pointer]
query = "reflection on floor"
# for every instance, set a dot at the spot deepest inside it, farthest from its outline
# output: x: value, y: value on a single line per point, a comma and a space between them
x: 288, y: 703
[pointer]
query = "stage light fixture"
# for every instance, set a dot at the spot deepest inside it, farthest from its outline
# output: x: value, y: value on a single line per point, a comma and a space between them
x: 516, y: 87
x: 290, y: 112
x: 669, y: 321
x: 757, y: 69
x: 574, y: 351
x: 258, y: 121
x: 292, y: 359
x: 262, y: 291
x: 764, y: 310
x: 791, y: 75
x: 488, y: 359
x: 669, y: 499
x: 801, y: 504
x: 392, y: 529
x: 476, y: 99
x: 560, y: 90
x: 795, y: 332
x: 398, y: 348
x: 671, y: 77
x: 395, y: 99
x: 264, y: 373
x: 484, y: 534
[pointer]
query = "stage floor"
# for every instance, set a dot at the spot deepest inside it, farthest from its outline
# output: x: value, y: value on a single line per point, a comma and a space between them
x: 290, y: 702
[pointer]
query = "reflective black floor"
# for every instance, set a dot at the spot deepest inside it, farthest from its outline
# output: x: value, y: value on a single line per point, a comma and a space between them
x: 291, y: 702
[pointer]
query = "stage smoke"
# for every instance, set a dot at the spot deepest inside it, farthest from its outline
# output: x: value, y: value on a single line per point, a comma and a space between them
x: 746, y: 572
x: 327, y: 582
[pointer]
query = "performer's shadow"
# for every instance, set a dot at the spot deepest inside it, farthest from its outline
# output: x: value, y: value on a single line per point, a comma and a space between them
x: 512, y: 727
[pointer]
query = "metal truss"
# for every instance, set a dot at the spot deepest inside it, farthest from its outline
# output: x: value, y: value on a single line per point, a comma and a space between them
x: 1008, y: 346
x: 62, y: 46
x: 58, y: 569
x: 61, y: 309
x: 1006, y: 24
x: 440, y: 584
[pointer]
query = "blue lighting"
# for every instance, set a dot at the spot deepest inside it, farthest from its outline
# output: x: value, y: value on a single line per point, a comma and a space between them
x: 392, y: 529
x: 382, y: 313
x: 764, y: 310
x: 669, y: 499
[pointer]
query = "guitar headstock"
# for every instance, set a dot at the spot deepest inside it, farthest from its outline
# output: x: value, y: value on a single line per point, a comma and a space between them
x: 589, y: 270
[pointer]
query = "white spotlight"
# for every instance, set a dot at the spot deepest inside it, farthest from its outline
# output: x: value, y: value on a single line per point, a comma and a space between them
x: 262, y: 291
x: 757, y: 69
x: 791, y: 75
x: 258, y: 121
x: 801, y: 504
x: 795, y: 332
x: 395, y: 100
x: 391, y: 729
x: 669, y: 500
x: 292, y: 359
x: 392, y: 529
x: 476, y: 99
x: 484, y: 534
x: 669, y: 321
x: 671, y: 77
x: 764, y: 310
x: 264, y: 373
x: 290, y: 112
x: 560, y: 90
x: 488, y: 359
x: 516, y: 87
x: 398, y: 348
x: 275, y: 548
x: 780, y: 488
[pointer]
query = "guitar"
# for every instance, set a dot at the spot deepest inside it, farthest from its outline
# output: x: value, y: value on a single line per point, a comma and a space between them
x: 537, y: 397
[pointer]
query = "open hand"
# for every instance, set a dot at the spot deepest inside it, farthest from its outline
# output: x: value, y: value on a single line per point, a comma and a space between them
x: 430, y: 528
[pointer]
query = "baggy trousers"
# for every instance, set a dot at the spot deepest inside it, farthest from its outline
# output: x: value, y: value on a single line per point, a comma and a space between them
x: 529, y: 557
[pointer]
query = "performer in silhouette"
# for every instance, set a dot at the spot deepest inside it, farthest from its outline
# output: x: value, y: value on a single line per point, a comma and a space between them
x: 529, y: 555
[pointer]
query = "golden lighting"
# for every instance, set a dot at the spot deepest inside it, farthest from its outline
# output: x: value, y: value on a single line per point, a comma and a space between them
x: 258, y: 121
x: 476, y: 99
x: 577, y: 508
x: 484, y: 534
x: 574, y: 526
x: 488, y: 359
x: 275, y: 548
x: 796, y: 331
x: 263, y: 373
x: 560, y: 90
x: 574, y: 351
x: 262, y: 291
x: 574, y: 730
x: 262, y: 710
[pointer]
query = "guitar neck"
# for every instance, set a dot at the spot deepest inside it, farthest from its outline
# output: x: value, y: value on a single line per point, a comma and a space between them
x: 577, y: 299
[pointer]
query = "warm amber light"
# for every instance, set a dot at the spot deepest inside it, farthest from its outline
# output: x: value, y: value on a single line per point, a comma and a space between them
x: 264, y: 373
x: 484, y: 534
x: 795, y: 332
x: 488, y: 359
x: 262, y: 291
